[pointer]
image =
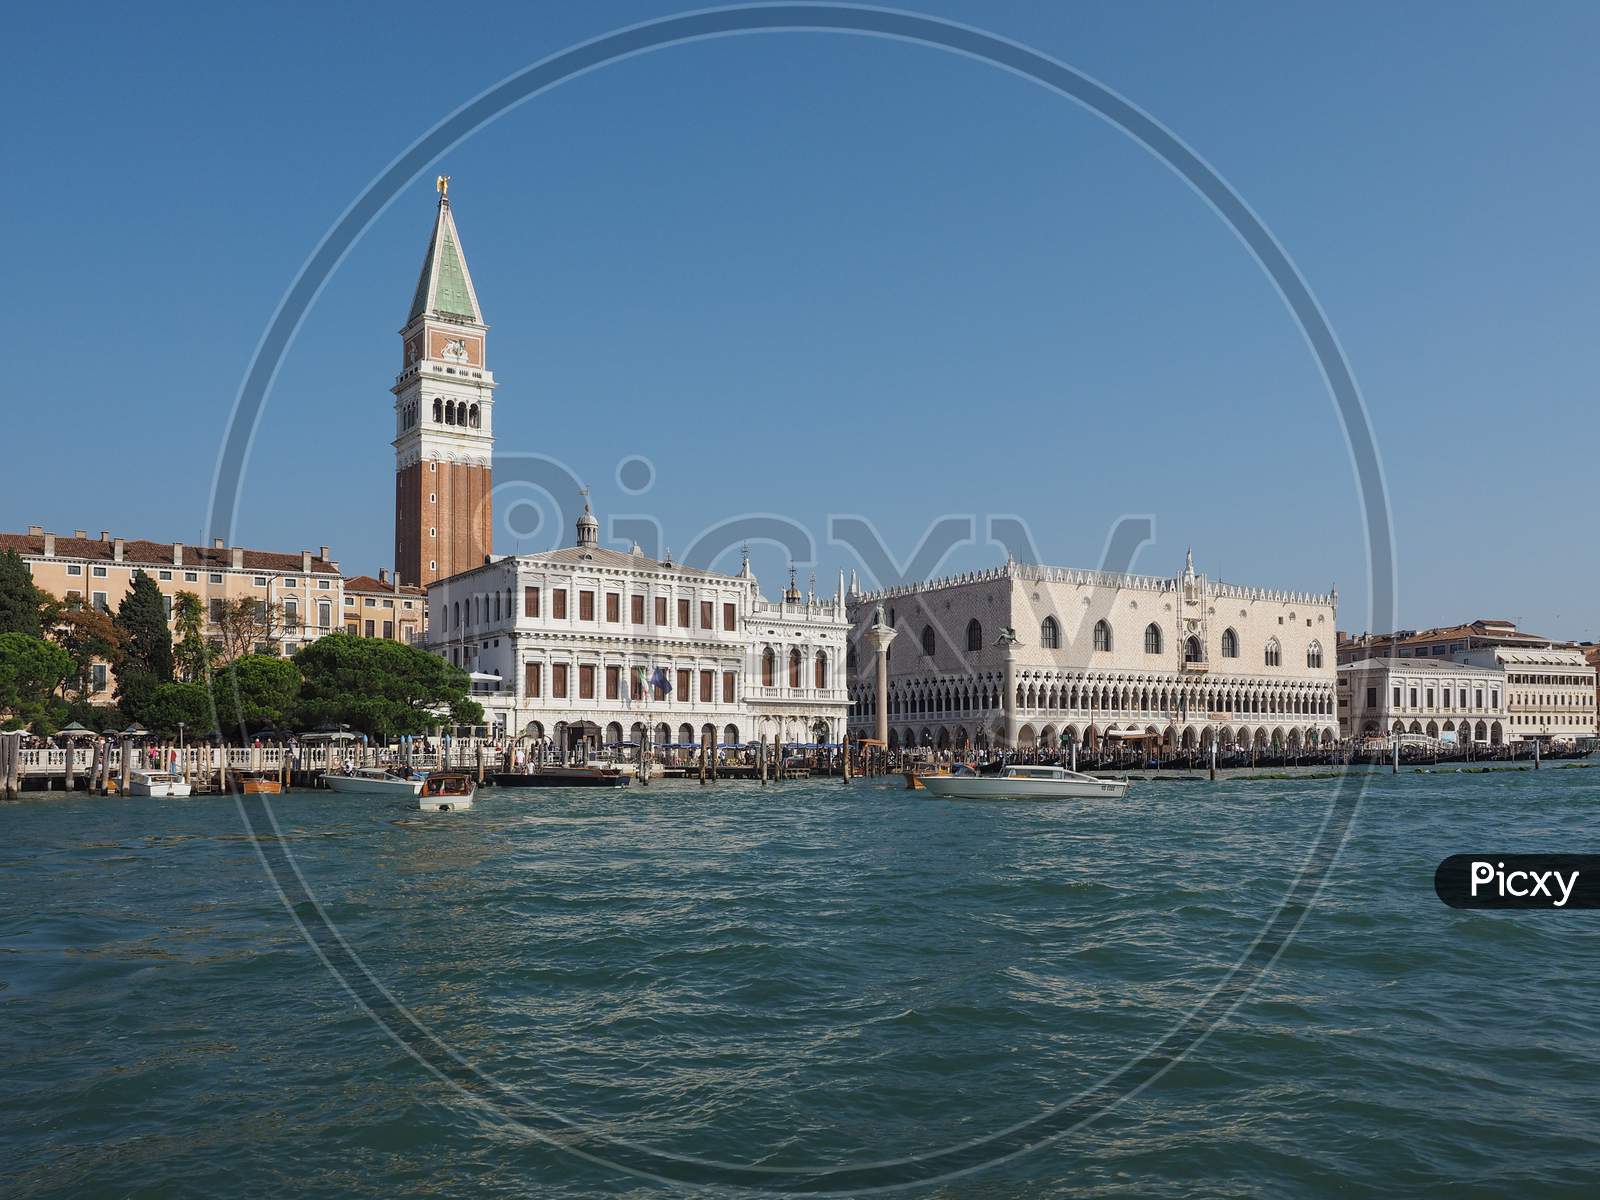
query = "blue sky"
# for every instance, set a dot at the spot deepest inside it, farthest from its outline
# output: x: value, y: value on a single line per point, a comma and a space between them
x: 811, y: 274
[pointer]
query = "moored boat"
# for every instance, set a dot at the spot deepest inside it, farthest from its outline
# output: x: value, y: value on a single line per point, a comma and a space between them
x: 157, y: 783
x: 590, y: 774
x: 446, y: 791
x: 1023, y: 783
x: 255, y: 783
x: 373, y: 781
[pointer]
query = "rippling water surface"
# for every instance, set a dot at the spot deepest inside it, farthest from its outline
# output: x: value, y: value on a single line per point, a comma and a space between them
x: 796, y: 975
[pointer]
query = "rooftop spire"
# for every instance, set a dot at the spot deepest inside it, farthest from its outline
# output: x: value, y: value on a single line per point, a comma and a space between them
x: 588, y: 526
x: 444, y: 288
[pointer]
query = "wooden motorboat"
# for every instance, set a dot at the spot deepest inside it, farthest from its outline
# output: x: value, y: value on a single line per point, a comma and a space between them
x: 255, y: 783
x: 447, y: 791
x: 917, y: 772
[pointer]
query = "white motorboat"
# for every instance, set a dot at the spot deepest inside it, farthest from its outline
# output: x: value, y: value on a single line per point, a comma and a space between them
x: 1023, y: 783
x: 157, y: 783
x: 372, y: 781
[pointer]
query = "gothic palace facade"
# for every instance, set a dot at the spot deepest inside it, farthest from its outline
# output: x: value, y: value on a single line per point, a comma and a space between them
x: 1097, y: 656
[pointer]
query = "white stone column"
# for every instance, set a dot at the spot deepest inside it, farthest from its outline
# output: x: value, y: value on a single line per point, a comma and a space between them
x: 879, y: 636
x: 1012, y: 723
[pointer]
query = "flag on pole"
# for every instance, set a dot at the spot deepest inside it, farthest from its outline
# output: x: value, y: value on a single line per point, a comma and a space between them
x: 660, y: 680
x: 641, y: 684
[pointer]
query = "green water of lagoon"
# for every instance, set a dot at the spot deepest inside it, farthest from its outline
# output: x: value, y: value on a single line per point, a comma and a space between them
x: 796, y: 975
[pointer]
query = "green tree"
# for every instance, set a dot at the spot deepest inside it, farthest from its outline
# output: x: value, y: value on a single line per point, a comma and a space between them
x: 192, y: 654
x: 31, y: 669
x: 98, y: 717
x: 246, y: 623
x: 381, y: 687
x: 22, y: 605
x: 90, y: 637
x: 255, y: 692
x: 147, y: 649
x: 171, y: 704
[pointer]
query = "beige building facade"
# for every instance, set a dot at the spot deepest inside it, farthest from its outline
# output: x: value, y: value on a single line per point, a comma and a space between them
x: 314, y: 599
x: 1550, y: 691
x: 1034, y: 656
x: 384, y: 607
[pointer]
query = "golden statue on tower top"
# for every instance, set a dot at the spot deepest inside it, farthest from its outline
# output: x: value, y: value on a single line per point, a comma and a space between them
x: 443, y: 184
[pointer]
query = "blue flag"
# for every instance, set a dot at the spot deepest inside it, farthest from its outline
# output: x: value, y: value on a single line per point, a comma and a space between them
x: 659, y: 680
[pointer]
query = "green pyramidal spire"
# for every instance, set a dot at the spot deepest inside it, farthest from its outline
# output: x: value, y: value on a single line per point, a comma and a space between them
x: 445, y: 287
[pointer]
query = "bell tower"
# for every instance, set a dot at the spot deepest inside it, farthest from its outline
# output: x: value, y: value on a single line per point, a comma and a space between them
x: 444, y: 418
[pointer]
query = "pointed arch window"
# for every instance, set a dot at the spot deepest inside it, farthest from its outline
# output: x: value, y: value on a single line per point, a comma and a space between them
x: 1102, y: 636
x: 1230, y: 644
x: 1274, y: 654
x: 1049, y: 634
x: 974, y: 635
x: 1152, y: 638
x: 1314, y: 654
x: 1191, y: 650
x: 928, y: 643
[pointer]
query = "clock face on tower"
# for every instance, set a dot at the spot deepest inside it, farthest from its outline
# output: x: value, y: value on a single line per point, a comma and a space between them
x: 456, y: 350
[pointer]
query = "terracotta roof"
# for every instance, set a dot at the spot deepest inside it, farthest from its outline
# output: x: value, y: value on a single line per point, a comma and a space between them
x: 159, y: 554
x: 366, y: 583
x: 1479, y: 628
